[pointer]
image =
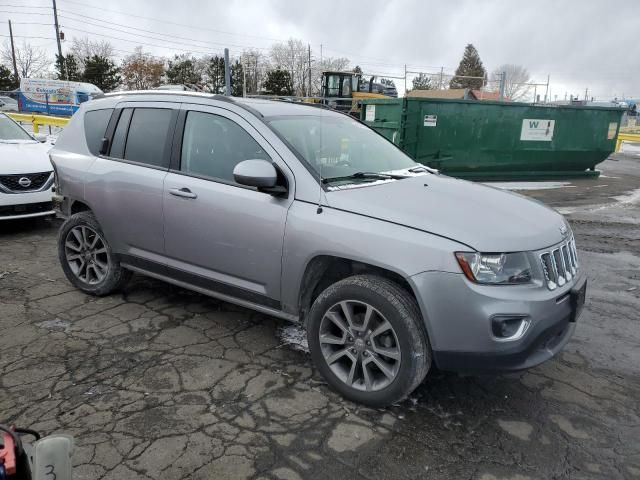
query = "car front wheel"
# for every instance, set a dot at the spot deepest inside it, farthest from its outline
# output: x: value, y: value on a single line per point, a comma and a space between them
x: 86, y: 257
x: 366, y: 337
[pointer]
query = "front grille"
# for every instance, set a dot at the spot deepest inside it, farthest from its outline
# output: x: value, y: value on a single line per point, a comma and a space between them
x: 13, y: 210
x: 560, y: 264
x: 35, y: 182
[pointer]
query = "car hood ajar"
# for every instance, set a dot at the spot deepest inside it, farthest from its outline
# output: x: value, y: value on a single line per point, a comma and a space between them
x: 485, y: 218
x: 24, y: 157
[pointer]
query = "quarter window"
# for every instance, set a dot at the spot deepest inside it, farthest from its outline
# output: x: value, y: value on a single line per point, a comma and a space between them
x: 95, y: 126
x: 213, y: 145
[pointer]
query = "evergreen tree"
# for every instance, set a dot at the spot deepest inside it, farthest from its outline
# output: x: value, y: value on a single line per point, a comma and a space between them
x: 422, y: 82
x: 7, y: 80
x: 183, y: 71
x: 278, y: 82
x: 237, y: 79
x: 214, y: 72
x: 470, y: 66
x: 102, y: 72
x: 68, y: 68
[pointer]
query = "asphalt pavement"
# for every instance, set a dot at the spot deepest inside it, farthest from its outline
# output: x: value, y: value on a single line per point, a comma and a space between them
x: 162, y: 383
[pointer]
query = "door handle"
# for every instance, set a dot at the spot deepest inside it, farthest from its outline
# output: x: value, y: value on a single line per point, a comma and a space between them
x: 182, y: 192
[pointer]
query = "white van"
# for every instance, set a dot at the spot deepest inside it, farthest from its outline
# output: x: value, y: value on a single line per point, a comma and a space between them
x: 54, y: 97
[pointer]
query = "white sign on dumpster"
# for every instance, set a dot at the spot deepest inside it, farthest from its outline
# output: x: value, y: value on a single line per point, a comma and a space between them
x: 537, y: 129
x: 430, y: 120
x: 370, y: 113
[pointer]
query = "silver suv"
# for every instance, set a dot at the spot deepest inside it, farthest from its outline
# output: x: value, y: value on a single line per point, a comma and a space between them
x: 308, y: 215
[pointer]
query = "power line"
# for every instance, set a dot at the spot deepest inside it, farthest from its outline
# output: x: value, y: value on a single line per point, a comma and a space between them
x: 128, y: 14
x: 149, y: 31
x: 142, y: 43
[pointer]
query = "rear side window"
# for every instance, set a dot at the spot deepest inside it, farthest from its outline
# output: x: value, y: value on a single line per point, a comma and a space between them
x: 95, y: 126
x: 120, y: 135
x: 147, y: 136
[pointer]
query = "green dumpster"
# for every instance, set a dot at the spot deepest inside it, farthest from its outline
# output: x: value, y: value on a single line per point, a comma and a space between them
x: 497, y: 140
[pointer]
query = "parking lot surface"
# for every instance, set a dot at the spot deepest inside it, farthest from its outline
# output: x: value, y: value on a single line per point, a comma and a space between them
x: 159, y: 382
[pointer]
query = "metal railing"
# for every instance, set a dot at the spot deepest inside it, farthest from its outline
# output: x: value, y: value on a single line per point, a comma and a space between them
x: 38, y: 121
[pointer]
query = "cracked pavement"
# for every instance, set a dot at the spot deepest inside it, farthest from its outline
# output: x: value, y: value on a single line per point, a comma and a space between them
x: 159, y: 382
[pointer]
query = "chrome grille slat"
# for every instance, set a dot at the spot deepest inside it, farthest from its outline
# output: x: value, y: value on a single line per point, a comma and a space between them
x: 560, y: 264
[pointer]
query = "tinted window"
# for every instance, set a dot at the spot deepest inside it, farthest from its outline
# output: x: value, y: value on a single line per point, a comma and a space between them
x: 95, y: 126
x: 213, y: 145
x: 147, y: 136
x: 120, y: 135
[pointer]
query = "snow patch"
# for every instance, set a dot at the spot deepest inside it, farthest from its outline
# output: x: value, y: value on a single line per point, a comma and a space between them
x: 295, y: 337
x: 56, y: 323
x: 530, y: 185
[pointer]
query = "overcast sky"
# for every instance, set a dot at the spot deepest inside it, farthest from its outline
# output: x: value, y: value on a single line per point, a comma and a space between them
x: 592, y: 44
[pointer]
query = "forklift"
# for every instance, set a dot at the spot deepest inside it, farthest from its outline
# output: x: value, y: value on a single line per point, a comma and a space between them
x: 344, y: 90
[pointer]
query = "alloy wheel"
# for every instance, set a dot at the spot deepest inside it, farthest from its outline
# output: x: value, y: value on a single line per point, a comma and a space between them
x: 360, y: 345
x: 86, y: 254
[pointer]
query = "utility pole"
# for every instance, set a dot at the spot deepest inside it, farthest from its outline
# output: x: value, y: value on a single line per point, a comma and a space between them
x: 309, y: 49
x: 227, y: 73
x: 55, y: 21
x: 440, y: 85
x: 586, y: 91
x: 546, y: 92
x: 13, y: 54
x: 405, y: 79
x: 503, y: 82
x: 244, y: 75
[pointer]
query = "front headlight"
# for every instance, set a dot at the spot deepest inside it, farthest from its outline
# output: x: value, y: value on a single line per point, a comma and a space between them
x: 495, y: 268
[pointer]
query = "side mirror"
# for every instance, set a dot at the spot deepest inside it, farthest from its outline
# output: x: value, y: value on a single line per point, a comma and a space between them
x: 260, y: 174
x: 40, y: 137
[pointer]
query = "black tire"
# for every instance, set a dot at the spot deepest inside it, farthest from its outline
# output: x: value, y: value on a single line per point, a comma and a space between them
x: 400, y: 309
x: 116, y: 276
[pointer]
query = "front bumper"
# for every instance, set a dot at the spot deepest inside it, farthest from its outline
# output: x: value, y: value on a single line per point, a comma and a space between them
x: 14, y: 206
x: 458, y: 317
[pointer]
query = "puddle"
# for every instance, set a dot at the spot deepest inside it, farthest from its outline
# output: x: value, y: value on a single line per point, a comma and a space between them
x: 55, y: 324
x: 295, y: 337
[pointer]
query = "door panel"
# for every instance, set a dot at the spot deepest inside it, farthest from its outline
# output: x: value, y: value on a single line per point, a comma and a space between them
x: 126, y: 193
x: 223, y: 232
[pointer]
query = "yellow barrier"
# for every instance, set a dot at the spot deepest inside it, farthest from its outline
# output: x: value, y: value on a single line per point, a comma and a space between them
x: 38, y: 120
x: 626, y: 137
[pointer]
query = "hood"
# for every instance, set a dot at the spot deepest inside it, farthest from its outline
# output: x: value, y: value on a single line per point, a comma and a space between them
x: 24, y: 157
x: 484, y: 218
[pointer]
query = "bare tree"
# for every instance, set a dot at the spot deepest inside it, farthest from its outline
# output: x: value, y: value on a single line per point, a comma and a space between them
x: 31, y: 61
x: 83, y: 48
x: 517, y: 78
x: 292, y: 56
x: 141, y: 70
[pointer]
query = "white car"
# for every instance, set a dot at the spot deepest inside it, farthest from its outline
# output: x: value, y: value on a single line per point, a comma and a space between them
x: 8, y: 104
x: 26, y: 174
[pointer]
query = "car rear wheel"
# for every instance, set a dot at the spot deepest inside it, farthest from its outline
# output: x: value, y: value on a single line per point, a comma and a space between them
x: 86, y: 257
x: 366, y: 337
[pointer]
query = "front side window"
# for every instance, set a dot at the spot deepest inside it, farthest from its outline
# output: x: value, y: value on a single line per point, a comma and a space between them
x: 336, y: 146
x: 213, y: 145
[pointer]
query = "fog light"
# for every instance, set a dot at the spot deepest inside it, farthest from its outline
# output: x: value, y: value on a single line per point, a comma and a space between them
x: 509, y: 327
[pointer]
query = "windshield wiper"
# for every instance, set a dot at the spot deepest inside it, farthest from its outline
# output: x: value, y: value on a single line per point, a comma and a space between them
x: 358, y: 175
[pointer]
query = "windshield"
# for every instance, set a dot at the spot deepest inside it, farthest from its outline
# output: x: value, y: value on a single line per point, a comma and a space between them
x: 9, y: 130
x: 338, y: 146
